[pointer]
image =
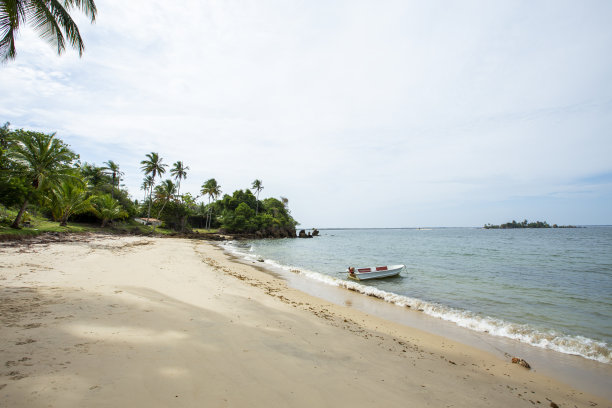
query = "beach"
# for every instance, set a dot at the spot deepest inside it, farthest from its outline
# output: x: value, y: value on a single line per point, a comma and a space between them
x: 138, y: 321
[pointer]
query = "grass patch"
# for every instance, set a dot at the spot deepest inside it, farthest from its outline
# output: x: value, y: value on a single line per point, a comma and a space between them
x: 40, y: 225
x: 36, y: 225
x: 206, y: 231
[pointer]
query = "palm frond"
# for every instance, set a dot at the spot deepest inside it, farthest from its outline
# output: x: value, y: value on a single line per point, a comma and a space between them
x: 43, y: 16
x: 12, y: 14
x: 88, y: 7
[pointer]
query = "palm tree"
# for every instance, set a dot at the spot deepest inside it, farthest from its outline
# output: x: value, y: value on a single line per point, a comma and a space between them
x: 257, y: 186
x: 213, y: 190
x: 94, y: 175
x: 41, y: 159
x: 179, y: 172
x: 107, y: 209
x: 165, y: 192
x: 285, y: 201
x: 154, y: 167
x: 49, y: 17
x: 113, y: 169
x: 68, y: 198
x: 147, y: 182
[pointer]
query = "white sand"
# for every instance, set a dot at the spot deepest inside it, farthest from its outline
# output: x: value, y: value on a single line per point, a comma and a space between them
x: 143, y: 322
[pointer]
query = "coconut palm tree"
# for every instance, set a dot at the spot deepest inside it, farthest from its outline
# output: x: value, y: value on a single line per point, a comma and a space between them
x: 164, y: 193
x: 154, y: 167
x: 41, y: 159
x: 68, y: 198
x: 107, y: 209
x: 257, y: 186
x: 213, y: 190
x: 112, y: 168
x: 179, y: 172
x: 147, y: 182
x: 51, y: 18
x: 94, y: 175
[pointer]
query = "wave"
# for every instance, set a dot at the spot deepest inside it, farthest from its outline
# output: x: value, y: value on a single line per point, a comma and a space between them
x: 547, y: 339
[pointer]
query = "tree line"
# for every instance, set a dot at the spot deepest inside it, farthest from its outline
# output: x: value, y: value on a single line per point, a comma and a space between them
x: 526, y: 224
x: 40, y: 172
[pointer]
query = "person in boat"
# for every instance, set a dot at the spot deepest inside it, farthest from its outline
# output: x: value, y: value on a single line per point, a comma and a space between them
x: 351, y: 270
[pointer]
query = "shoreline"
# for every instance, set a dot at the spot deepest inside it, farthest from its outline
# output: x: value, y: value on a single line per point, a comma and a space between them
x: 154, y: 322
x: 587, y: 374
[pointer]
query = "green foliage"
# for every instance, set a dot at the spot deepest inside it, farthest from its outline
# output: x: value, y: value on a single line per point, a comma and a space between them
x: 106, y: 208
x: 42, y: 160
x: 14, y: 190
x: 152, y: 166
x: 212, y: 190
x: 40, y: 174
x: 239, y: 196
x: 100, y: 181
x: 239, y: 213
x: 96, y: 177
x: 523, y: 224
x: 68, y: 198
x: 175, y: 215
x: 5, y: 134
x: 112, y: 169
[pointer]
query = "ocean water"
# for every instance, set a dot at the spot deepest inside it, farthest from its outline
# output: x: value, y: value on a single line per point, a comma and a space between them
x: 551, y: 288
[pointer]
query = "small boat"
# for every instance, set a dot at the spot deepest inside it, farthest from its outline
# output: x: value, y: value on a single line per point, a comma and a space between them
x: 375, y: 272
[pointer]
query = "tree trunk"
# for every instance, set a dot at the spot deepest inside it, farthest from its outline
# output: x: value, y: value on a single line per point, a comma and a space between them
x: 150, y: 200
x: 113, y: 187
x: 209, y: 216
x: 162, y: 209
x: 17, y: 221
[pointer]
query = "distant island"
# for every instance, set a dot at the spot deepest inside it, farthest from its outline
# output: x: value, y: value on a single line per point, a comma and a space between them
x: 526, y: 224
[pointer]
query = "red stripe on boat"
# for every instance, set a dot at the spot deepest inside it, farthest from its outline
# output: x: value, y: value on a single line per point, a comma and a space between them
x: 381, y: 268
x: 364, y: 270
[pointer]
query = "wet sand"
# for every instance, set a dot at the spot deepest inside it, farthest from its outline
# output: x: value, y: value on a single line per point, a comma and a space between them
x: 107, y: 321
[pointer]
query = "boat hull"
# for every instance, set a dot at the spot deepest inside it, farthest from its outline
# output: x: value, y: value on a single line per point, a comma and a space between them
x: 376, y: 272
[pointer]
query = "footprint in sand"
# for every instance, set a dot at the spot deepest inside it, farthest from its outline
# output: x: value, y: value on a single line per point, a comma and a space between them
x: 28, y: 341
x: 16, y: 375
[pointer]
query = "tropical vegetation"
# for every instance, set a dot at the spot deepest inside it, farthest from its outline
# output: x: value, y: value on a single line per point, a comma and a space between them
x: 526, y: 224
x: 42, y: 177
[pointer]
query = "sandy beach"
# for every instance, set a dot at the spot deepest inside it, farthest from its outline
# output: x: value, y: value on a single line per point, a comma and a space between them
x: 148, y: 322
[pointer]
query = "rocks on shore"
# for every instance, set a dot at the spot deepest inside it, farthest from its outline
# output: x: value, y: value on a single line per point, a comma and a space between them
x: 304, y: 234
x: 521, y: 362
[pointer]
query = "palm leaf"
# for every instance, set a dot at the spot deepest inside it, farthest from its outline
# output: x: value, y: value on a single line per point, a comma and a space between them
x: 88, y: 7
x: 12, y: 14
x: 51, y: 18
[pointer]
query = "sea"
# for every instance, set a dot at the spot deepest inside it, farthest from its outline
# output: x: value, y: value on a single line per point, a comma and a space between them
x: 548, y: 288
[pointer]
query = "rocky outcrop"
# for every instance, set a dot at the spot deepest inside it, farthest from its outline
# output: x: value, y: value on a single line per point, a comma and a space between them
x: 303, y: 234
x: 270, y: 232
x: 276, y: 232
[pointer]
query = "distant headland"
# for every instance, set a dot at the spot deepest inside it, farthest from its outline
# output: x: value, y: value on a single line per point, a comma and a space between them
x: 526, y: 224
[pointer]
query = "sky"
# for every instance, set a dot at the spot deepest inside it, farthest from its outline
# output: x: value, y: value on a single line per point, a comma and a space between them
x: 361, y: 113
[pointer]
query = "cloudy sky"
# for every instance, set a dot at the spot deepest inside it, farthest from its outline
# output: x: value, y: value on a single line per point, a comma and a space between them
x: 362, y: 113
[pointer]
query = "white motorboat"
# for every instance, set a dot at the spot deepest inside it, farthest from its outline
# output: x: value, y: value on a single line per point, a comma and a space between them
x: 374, y: 272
